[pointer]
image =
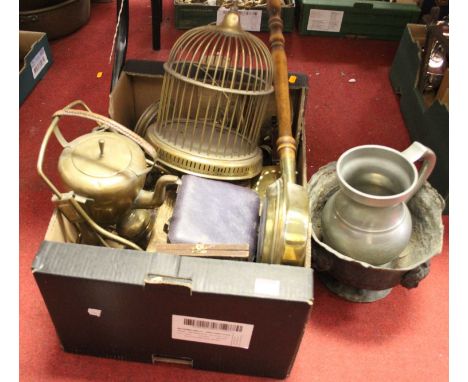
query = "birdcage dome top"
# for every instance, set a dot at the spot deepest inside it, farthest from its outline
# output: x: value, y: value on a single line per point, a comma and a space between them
x: 223, y: 57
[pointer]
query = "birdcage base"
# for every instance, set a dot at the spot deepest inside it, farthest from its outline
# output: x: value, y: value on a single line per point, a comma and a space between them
x: 190, y: 152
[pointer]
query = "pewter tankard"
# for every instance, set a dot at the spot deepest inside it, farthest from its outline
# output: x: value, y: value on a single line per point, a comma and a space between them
x: 367, y: 218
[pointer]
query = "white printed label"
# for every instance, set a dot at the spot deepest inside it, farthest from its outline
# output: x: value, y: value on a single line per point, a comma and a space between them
x: 250, y: 20
x: 94, y: 312
x: 38, y: 62
x: 211, y: 331
x: 267, y: 286
x: 326, y: 21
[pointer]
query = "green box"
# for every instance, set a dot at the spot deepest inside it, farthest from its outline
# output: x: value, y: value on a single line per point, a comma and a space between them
x: 35, y: 59
x: 356, y: 18
x: 427, y: 120
x: 189, y: 16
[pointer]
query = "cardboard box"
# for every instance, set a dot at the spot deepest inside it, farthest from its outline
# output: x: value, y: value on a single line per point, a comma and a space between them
x: 193, y: 15
x: 223, y: 315
x: 35, y: 58
x: 356, y: 18
x: 427, y: 119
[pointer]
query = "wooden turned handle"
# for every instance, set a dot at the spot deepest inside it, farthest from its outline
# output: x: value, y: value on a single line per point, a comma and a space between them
x: 280, y: 74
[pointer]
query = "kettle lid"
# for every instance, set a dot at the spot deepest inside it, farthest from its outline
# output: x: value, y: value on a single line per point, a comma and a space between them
x: 101, y: 163
x: 100, y: 155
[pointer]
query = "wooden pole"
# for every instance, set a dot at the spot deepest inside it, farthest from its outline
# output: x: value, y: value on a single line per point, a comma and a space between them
x: 286, y: 144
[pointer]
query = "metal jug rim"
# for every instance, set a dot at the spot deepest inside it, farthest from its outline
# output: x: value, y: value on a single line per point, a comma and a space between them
x: 372, y: 199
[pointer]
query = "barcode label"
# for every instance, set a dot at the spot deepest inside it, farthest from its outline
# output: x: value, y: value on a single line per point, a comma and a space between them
x: 212, y: 325
x: 39, y: 62
x: 213, y: 332
x: 325, y: 21
x: 250, y: 20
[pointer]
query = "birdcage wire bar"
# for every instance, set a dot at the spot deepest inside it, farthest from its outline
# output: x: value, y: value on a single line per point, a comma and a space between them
x: 215, y: 92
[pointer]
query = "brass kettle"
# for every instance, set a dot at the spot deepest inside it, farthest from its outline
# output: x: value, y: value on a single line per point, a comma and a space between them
x: 106, y: 169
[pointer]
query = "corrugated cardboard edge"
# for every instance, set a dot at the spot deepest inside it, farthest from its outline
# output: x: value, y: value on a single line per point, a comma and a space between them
x: 34, y: 40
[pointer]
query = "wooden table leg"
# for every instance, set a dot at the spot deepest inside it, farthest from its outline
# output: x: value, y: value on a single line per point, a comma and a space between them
x: 156, y: 17
x: 121, y: 41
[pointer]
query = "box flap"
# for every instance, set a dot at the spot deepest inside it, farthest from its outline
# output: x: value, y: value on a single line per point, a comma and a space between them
x: 26, y: 42
x: 242, y: 279
x: 225, y: 277
x: 92, y: 263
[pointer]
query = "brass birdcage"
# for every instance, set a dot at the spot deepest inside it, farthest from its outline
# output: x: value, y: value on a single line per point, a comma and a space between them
x: 216, y: 86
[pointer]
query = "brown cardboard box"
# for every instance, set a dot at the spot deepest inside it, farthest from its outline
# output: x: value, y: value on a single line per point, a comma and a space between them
x: 223, y: 315
x: 35, y: 58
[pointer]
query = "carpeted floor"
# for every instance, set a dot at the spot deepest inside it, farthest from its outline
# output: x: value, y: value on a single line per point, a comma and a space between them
x: 401, y: 338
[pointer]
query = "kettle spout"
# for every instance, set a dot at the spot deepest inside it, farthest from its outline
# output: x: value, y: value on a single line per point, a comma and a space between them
x: 153, y: 199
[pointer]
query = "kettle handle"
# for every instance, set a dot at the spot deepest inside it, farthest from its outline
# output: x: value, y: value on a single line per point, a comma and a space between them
x: 416, y: 152
x: 109, y: 123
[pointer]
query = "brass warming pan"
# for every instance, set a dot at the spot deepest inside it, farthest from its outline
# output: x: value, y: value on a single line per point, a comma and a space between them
x: 284, y: 225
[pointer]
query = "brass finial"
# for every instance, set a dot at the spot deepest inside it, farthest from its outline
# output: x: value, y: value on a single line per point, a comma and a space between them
x: 232, y: 19
x: 101, y: 148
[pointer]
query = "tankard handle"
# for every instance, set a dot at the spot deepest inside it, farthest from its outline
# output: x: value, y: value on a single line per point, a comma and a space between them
x: 416, y: 152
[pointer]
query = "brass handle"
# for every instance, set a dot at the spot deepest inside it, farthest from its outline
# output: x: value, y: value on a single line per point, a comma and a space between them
x: 109, y: 123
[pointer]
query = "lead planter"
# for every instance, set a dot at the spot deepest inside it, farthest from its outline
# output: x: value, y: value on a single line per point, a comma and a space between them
x: 359, y: 281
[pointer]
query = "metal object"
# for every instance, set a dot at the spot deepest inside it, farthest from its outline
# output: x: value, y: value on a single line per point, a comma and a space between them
x: 436, y: 56
x: 213, y: 100
x: 147, y: 118
x: 359, y: 281
x: 106, y: 171
x: 367, y: 218
x: 268, y: 176
x: 435, y: 69
x: 284, y: 222
x: 64, y: 204
x: 136, y: 225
